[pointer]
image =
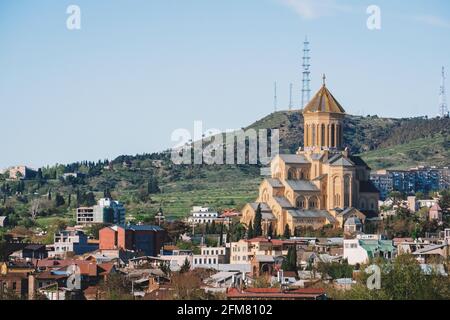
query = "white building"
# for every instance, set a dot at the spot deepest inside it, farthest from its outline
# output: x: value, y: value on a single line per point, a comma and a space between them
x: 106, y: 211
x: 200, y: 215
x: 210, y: 258
x: 240, y: 252
x: 74, y: 241
x: 365, y: 247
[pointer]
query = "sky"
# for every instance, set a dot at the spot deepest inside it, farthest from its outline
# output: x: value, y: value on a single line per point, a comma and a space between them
x: 139, y: 69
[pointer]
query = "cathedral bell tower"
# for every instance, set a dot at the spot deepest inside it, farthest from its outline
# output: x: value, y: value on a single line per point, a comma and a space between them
x: 323, y: 122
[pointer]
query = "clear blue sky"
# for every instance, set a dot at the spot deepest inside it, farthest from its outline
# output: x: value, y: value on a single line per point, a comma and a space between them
x: 139, y: 69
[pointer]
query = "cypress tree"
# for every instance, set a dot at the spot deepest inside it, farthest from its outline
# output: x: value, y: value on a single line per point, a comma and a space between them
x: 258, y: 221
x: 221, y: 235
x: 250, y: 233
x: 270, y: 231
x: 287, y: 232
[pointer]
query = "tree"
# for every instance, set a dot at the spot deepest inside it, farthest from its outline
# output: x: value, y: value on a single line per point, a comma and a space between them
x: 221, y: 235
x: 287, y: 232
x: 212, y: 229
x: 401, y: 280
x: 107, y: 194
x: 290, y: 262
x: 444, y: 201
x: 90, y: 199
x: 186, y: 286
x: 34, y: 208
x: 49, y: 195
x: 116, y: 287
x: 59, y: 200
x: 250, y: 233
x: 69, y: 200
x: 395, y: 195
x: 258, y: 221
x: 152, y: 186
x: 186, y: 266
x: 165, y: 268
x: 270, y: 231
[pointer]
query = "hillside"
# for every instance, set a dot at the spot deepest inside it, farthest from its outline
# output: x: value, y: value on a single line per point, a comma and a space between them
x: 382, y: 142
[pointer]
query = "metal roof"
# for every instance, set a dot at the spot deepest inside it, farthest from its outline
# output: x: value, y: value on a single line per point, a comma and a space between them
x: 323, y: 101
x: 301, y: 185
x: 294, y: 158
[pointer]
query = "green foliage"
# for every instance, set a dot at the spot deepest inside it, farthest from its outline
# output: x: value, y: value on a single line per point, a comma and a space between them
x: 250, y: 232
x: 401, y: 280
x: 290, y: 262
x: 287, y: 232
x: 186, y: 267
x: 335, y: 270
x: 116, y: 287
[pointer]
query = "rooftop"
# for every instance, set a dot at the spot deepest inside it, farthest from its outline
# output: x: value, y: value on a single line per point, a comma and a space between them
x: 323, y: 101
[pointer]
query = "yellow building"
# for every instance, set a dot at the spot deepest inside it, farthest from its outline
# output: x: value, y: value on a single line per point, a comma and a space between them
x: 322, y: 183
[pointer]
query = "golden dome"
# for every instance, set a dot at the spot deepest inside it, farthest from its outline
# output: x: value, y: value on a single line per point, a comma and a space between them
x: 323, y: 101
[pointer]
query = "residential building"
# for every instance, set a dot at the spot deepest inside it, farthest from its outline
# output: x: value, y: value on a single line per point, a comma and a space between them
x: 383, y: 182
x: 210, y: 257
x: 139, y: 238
x: 364, y: 248
x: 240, y: 252
x: 243, y: 250
x: 353, y: 225
x: 225, y: 279
x: 201, y: 215
x: 71, y: 241
x: 106, y: 211
x: 435, y: 213
x: 420, y: 179
x: 21, y: 173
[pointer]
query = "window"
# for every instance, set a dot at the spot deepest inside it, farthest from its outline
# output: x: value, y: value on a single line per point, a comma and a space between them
x: 300, y: 203
x: 313, y: 203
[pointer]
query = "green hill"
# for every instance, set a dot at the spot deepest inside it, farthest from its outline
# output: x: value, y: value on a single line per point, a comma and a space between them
x: 382, y: 142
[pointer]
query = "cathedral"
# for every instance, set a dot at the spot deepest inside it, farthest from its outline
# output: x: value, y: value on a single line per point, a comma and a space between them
x: 322, y: 184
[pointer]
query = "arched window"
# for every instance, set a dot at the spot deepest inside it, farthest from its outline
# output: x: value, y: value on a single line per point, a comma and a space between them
x: 300, y: 202
x: 313, y: 203
x: 333, y: 137
x: 346, y: 191
x: 336, y: 191
x: 313, y: 135
x: 292, y: 174
x: 322, y: 143
x: 265, y: 195
x: 362, y: 204
x: 307, y: 135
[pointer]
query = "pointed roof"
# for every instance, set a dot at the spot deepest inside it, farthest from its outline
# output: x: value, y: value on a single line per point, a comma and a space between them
x: 323, y: 101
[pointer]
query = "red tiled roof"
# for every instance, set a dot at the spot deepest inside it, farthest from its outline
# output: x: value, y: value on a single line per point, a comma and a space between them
x: 86, y: 267
x: 275, y: 293
x: 105, y: 268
